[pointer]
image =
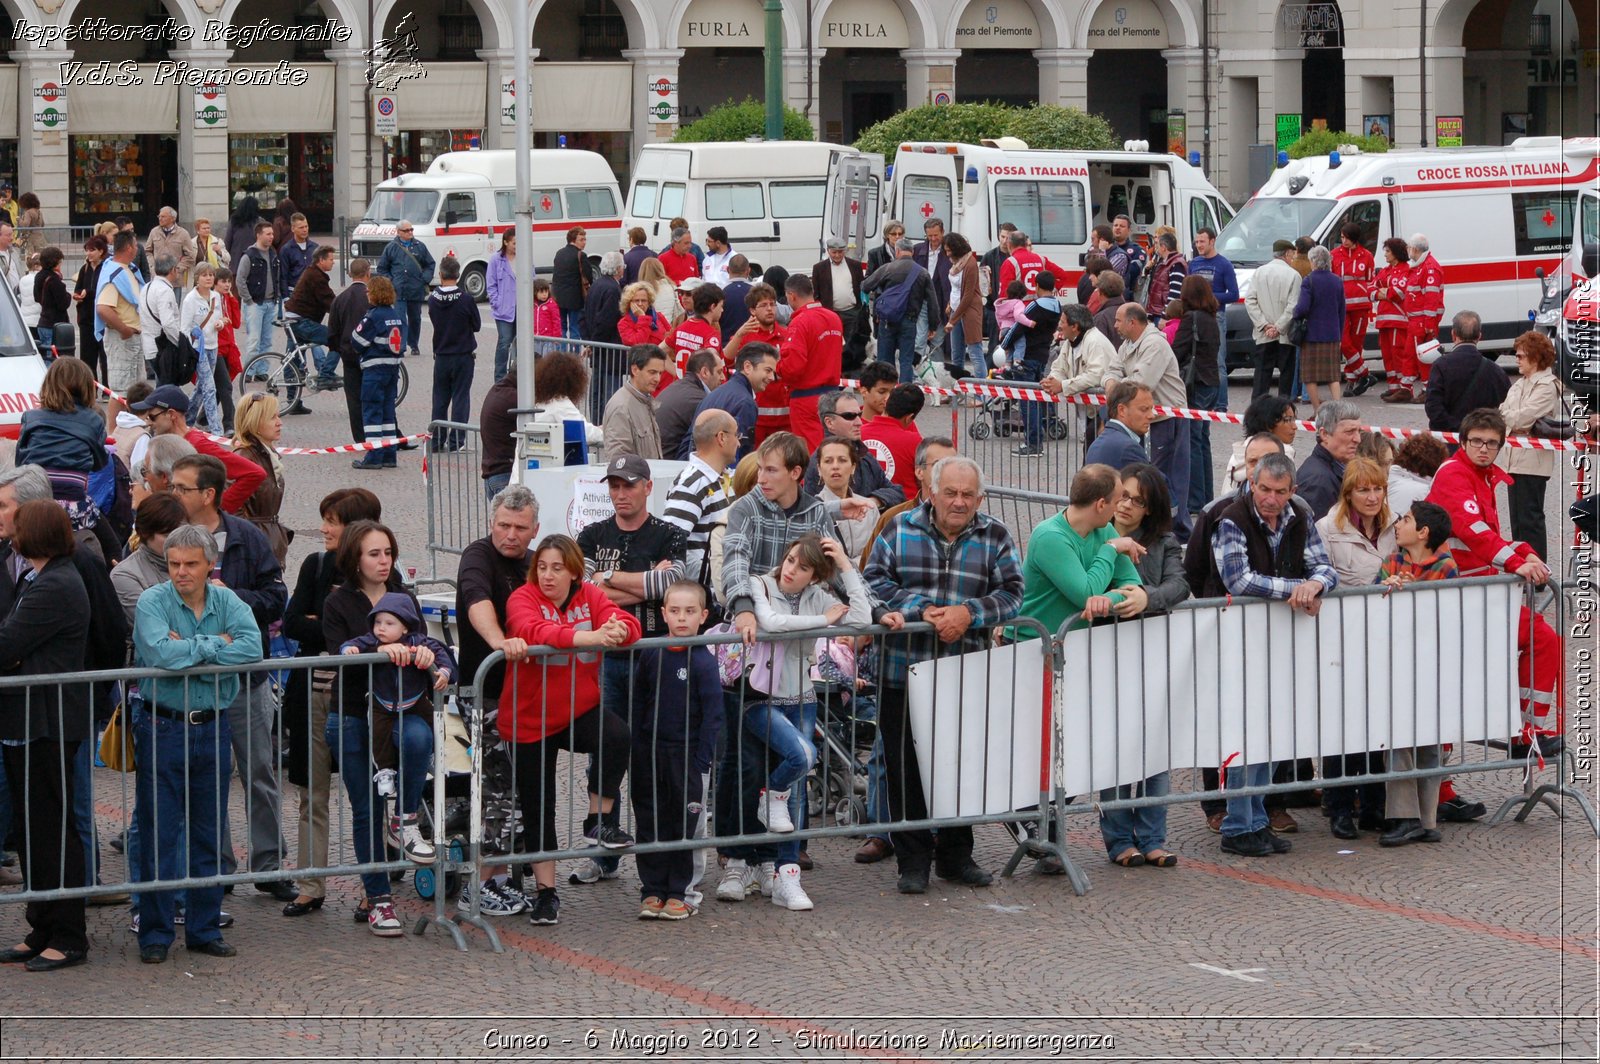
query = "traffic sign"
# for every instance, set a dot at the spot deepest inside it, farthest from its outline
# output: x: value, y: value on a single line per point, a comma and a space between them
x: 385, y: 116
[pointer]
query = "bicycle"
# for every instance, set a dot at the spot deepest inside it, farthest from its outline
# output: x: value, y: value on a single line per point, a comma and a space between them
x: 286, y: 375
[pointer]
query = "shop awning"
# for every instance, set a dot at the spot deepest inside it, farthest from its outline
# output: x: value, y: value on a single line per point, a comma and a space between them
x: 582, y: 96
x: 8, y: 102
x: 452, y: 96
x: 277, y: 108
x: 121, y: 110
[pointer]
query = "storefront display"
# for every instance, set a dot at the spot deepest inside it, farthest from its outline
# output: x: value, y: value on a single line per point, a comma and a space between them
x: 312, y: 179
x: 131, y: 175
x: 414, y: 150
x: 259, y: 166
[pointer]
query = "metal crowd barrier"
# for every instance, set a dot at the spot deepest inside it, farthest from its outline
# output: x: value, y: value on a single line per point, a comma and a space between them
x: 69, y: 238
x: 994, y: 430
x: 458, y: 505
x: 608, y: 368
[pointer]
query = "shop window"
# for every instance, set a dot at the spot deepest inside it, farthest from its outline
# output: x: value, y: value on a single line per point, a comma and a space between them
x: 460, y: 33
x: 797, y: 199
x: 1543, y: 221
x: 464, y: 205
x: 591, y: 203
x: 671, y: 201
x: 644, y: 199
x: 728, y: 202
x: 1052, y: 212
x: 1144, y: 205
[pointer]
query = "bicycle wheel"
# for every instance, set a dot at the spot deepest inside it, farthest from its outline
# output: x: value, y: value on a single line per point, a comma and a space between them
x: 402, y: 382
x: 274, y: 374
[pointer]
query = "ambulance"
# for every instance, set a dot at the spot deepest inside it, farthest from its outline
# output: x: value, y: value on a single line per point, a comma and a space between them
x: 779, y: 200
x: 1056, y: 197
x: 1495, y: 219
x: 21, y: 365
x: 1576, y: 328
x: 465, y: 200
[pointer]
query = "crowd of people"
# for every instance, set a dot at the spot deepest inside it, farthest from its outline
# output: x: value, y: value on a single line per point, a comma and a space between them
x: 803, y: 505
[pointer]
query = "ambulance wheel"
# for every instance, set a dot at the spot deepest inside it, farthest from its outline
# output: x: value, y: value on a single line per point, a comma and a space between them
x: 475, y: 283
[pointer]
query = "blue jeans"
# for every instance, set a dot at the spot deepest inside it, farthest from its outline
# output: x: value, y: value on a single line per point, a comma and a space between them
x: 572, y: 324
x: 348, y: 737
x: 1169, y: 452
x: 741, y: 772
x: 964, y: 356
x: 1246, y: 815
x: 897, y: 345
x: 452, y: 396
x: 1143, y: 829
x: 877, y: 789
x: 83, y: 810
x: 1032, y: 412
x: 414, y: 324
x: 1222, y: 360
x: 504, y: 346
x: 1201, y: 484
x: 204, y: 399
x: 258, y: 319
x: 378, y: 384
x: 316, y: 333
x: 182, y: 793
x: 788, y: 731
x: 493, y: 485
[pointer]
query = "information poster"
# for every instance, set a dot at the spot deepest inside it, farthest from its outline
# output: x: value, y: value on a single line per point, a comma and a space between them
x: 1177, y: 133
x: 1447, y: 131
x: 1288, y: 131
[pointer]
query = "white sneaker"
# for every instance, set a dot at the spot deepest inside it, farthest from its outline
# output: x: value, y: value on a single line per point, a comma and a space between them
x: 417, y: 848
x: 788, y: 892
x: 384, y: 779
x: 591, y: 871
x: 491, y: 902
x: 772, y: 809
x: 382, y: 921
x: 769, y: 877
x: 738, y: 880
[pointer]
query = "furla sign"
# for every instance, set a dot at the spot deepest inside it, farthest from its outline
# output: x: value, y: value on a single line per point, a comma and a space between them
x: 864, y: 24
x: 722, y: 24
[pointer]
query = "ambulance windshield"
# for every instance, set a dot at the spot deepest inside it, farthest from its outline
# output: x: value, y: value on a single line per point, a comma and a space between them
x: 392, y: 205
x: 16, y: 339
x: 1247, y: 240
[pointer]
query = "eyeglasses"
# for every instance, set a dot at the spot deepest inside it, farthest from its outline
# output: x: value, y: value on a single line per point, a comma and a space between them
x: 1286, y: 418
x: 404, y: 231
x: 185, y: 489
x: 851, y: 416
x: 1478, y: 443
x: 1135, y: 500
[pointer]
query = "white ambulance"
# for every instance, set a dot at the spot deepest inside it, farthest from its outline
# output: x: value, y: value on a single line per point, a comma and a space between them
x: 21, y: 366
x: 779, y: 200
x: 466, y: 199
x: 1056, y: 197
x: 1494, y: 217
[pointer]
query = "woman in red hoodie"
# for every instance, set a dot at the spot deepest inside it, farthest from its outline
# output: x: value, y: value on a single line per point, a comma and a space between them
x: 555, y: 703
x: 641, y: 323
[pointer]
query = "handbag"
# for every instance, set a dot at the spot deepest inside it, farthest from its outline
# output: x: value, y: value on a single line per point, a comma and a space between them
x: 1555, y: 428
x: 116, y: 742
x: 1299, y: 329
x: 1193, y: 368
x: 176, y: 363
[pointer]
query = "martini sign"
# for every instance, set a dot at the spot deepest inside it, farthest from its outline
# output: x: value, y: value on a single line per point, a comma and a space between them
x: 211, y: 107
x: 49, y: 106
x: 661, y: 99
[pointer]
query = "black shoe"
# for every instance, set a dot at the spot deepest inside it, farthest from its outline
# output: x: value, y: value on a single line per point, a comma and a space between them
x: 1343, y: 826
x: 1549, y: 746
x: 1372, y: 823
x: 279, y: 889
x: 18, y: 956
x: 298, y: 908
x: 1458, y: 810
x: 913, y: 880
x: 1430, y: 835
x: 298, y: 408
x: 1050, y: 865
x: 153, y: 954
x: 610, y: 837
x: 1277, y: 842
x: 215, y: 948
x: 966, y: 872
x: 1403, y: 833
x: 546, y: 907
x: 409, y: 445
x: 70, y: 958
x: 1250, y: 844
x: 120, y: 843
x: 360, y: 464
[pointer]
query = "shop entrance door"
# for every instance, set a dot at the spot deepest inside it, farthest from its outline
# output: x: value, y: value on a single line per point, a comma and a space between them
x: 867, y: 103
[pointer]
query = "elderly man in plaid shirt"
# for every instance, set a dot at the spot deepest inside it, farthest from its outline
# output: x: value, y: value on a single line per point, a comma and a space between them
x: 946, y: 563
x: 1265, y: 546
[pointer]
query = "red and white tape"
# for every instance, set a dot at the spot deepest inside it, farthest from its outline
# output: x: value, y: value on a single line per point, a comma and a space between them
x: 343, y: 448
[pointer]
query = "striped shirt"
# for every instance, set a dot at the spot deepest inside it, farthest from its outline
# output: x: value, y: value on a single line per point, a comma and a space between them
x: 694, y: 501
x: 1232, y: 555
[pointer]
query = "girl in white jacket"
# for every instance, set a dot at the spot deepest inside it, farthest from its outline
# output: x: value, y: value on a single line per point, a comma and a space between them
x: 795, y: 597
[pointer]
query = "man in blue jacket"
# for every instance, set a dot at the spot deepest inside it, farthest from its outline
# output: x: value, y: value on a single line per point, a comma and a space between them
x: 757, y: 365
x: 407, y: 263
x: 1225, y: 286
x: 1122, y: 441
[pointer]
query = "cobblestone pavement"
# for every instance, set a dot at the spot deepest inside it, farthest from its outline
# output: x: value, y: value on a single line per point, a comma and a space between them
x: 1483, y: 948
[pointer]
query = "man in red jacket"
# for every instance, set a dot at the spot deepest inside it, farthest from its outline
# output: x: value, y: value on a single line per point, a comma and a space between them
x: 811, y: 358
x: 1024, y: 265
x: 1424, y: 299
x: 165, y: 408
x: 762, y: 326
x: 892, y: 437
x: 1353, y: 264
x: 1465, y: 487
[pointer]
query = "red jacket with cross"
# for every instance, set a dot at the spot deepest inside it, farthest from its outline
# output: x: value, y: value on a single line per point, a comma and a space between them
x: 1466, y: 492
x: 1425, y: 299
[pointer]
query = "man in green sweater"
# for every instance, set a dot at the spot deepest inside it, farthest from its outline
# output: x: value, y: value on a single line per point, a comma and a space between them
x: 1076, y: 567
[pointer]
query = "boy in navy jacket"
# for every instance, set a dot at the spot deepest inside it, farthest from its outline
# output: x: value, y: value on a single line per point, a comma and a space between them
x: 677, y: 715
x: 455, y: 319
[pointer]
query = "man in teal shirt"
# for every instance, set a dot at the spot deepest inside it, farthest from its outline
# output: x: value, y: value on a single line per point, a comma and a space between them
x: 181, y: 739
x: 1076, y: 568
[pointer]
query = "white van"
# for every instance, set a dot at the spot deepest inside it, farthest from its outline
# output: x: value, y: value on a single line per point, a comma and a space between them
x: 1056, y: 197
x: 21, y: 366
x: 1493, y: 217
x: 774, y: 198
x: 466, y: 199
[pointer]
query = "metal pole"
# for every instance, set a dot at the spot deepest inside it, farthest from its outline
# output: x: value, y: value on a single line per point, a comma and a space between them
x: 774, y: 60
x: 521, y: 62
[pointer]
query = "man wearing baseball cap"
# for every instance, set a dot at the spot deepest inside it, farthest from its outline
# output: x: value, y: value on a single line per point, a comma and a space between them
x: 165, y: 409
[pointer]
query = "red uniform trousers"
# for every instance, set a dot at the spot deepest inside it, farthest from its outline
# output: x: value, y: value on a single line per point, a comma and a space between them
x: 1353, y: 345
x: 1399, y: 356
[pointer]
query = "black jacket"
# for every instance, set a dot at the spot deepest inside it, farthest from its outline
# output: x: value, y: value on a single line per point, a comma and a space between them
x: 45, y: 633
x: 1318, y: 481
x: 939, y: 267
x: 1199, y: 337
x: 567, y: 274
x: 251, y: 571
x: 349, y: 307
x: 879, y: 256
x: 602, y: 310
x: 822, y: 281
x: 1463, y: 381
x: 344, y: 616
x: 302, y: 622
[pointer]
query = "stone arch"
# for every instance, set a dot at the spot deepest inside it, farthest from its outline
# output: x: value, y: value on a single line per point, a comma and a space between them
x: 1052, y: 21
x: 494, y: 18
x: 187, y: 12
x: 794, y: 33
x: 921, y: 26
x: 643, y: 30
x: 1182, y: 29
x: 342, y: 11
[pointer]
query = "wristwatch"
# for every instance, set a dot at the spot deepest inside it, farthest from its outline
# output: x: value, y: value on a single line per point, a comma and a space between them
x: 604, y: 577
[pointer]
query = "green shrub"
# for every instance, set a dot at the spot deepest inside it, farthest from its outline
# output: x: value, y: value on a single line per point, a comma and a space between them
x: 1322, y: 141
x: 741, y: 121
x: 1041, y: 126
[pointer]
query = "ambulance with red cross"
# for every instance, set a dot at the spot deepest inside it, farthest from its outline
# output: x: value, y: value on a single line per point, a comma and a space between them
x: 21, y: 366
x: 1056, y: 197
x: 1499, y: 220
x: 466, y: 199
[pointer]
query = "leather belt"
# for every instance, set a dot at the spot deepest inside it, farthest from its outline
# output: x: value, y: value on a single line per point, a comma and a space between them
x: 193, y: 716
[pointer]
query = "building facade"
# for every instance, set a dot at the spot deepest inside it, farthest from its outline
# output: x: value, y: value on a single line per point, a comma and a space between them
x: 120, y: 106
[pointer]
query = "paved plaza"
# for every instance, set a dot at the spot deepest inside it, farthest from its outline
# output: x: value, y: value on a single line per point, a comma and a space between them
x: 1483, y: 948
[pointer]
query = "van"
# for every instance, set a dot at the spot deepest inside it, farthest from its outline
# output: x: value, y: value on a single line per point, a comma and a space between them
x: 21, y: 366
x: 775, y: 198
x: 1574, y: 320
x: 1056, y: 197
x: 465, y: 200
x: 1496, y: 219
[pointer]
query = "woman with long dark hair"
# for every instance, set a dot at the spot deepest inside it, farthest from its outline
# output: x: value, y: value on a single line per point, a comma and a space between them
x: 1196, y: 344
x: 95, y: 250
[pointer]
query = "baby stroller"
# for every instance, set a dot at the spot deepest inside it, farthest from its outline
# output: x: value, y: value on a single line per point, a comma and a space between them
x: 448, y: 831
x: 1003, y: 417
x: 846, y: 728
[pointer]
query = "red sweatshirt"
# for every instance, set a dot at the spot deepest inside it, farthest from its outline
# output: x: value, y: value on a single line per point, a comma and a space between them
x: 895, y: 448
x: 554, y: 690
x: 244, y: 476
x: 812, y: 354
x: 690, y: 336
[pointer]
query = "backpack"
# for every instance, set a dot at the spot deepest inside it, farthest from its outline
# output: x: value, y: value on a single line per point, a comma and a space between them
x: 891, y: 305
